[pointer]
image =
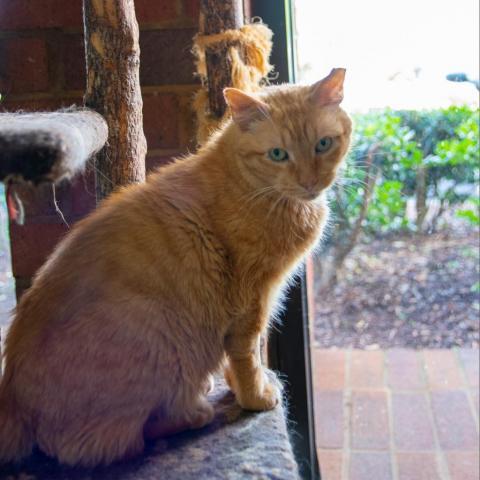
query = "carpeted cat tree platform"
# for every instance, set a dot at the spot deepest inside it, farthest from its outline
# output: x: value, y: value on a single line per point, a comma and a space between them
x: 41, y: 147
x: 238, y: 445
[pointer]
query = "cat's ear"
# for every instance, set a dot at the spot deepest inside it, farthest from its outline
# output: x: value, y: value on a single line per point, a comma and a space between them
x: 329, y: 90
x: 245, y: 108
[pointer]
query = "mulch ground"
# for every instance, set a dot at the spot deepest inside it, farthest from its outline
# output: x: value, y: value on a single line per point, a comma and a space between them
x: 415, y: 291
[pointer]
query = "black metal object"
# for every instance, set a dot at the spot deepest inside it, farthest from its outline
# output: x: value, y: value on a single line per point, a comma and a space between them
x: 289, y: 342
x: 289, y: 354
x: 463, y: 77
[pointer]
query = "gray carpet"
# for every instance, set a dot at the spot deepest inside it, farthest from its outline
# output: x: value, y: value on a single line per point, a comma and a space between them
x: 237, y: 445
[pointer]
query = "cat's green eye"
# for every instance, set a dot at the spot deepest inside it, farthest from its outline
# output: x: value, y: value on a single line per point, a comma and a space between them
x: 278, y: 154
x: 323, y: 144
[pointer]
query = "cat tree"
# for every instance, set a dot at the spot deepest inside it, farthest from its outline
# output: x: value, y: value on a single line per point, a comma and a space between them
x: 54, y: 146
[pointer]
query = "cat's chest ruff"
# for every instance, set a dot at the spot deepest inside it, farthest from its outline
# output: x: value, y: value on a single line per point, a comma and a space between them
x: 270, y: 251
x: 288, y: 234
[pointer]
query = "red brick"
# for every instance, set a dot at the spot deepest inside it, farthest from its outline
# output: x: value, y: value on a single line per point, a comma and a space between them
x: 330, y: 464
x: 442, y: 369
x: 366, y: 369
x: 148, y: 11
x: 73, y: 59
x: 454, y: 421
x: 329, y: 421
x: 404, y: 370
x: 417, y: 466
x: 23, y: 66
x: 411, y: 424
x: 469, y: 359
x: 160, y: 120
x: 188, y: 125
x: 329, y: 369
x: 370, y: 429
x: 31, y: 244
x: 70, y: 13
x: 38, y: 201
x: 174, y: 66
x: 370, y: 466
x: 34, y: 241
x: 192, y: 9
x: 463, y: 465
x: 23, y: 14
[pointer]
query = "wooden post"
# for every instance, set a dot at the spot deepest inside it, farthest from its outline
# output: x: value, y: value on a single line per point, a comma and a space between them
x: 217, y: 16
x: 113, y: 90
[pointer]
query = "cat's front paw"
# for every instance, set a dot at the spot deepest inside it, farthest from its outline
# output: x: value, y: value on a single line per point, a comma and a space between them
x: 228, y: 375
x: 268, y: 399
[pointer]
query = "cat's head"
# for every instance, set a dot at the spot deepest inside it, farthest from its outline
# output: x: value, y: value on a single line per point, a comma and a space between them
x: 291, y: 139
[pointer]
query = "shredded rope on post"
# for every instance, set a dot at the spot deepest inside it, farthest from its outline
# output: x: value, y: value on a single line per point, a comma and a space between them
x: 249, y: 73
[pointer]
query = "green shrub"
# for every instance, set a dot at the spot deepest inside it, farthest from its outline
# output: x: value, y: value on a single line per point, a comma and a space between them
x: 471, y: 213
x: 422, y: 155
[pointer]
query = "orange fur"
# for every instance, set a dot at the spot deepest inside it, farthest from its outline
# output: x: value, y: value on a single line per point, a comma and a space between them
x: 139, y: 304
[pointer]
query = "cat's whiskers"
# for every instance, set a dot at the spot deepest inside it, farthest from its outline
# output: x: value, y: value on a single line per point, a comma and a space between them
x: 349, y: 181
x: 284, y: 202
x: 344, y: 176
x: 350, y: 189
x: 360, y: 167
x: 253, y: 197
x: 273, y: 207
x: 300, y: 210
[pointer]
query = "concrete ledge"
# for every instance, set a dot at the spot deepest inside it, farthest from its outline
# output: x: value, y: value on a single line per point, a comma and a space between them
x: 238, y: 445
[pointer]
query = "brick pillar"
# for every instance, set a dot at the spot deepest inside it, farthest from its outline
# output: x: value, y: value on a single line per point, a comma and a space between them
x: 42, y: 67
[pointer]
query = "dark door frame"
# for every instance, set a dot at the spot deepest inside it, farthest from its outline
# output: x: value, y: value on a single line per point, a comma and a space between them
x: 289, y: 343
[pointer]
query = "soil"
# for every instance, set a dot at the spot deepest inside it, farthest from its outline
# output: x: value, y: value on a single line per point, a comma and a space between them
x: 412, y: 291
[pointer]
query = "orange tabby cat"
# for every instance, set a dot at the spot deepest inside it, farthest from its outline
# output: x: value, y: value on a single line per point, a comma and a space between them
x: 117, y: 337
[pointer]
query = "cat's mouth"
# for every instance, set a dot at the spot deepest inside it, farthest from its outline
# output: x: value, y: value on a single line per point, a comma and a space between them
x: 304, y: 195
x: 308, y: 196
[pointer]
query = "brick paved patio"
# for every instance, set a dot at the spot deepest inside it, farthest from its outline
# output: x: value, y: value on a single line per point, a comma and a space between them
x: 397, y: 414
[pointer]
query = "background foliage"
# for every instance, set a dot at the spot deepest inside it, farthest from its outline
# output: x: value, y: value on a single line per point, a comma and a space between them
x: 406, y: 169
x: 441, y: 144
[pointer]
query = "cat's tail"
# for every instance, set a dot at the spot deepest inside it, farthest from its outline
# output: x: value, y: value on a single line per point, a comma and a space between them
x: 16, y: 438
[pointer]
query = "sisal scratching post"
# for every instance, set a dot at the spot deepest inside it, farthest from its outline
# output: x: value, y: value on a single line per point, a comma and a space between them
x: 228, y: 54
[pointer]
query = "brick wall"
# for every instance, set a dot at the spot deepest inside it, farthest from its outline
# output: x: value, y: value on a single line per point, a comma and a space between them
x: 42, y: 67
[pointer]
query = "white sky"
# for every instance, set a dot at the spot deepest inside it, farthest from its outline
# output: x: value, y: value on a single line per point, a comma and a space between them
x: 382, y: 43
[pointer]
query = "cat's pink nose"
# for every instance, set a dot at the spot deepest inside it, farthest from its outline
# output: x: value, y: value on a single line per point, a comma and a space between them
x: 309, y: 186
